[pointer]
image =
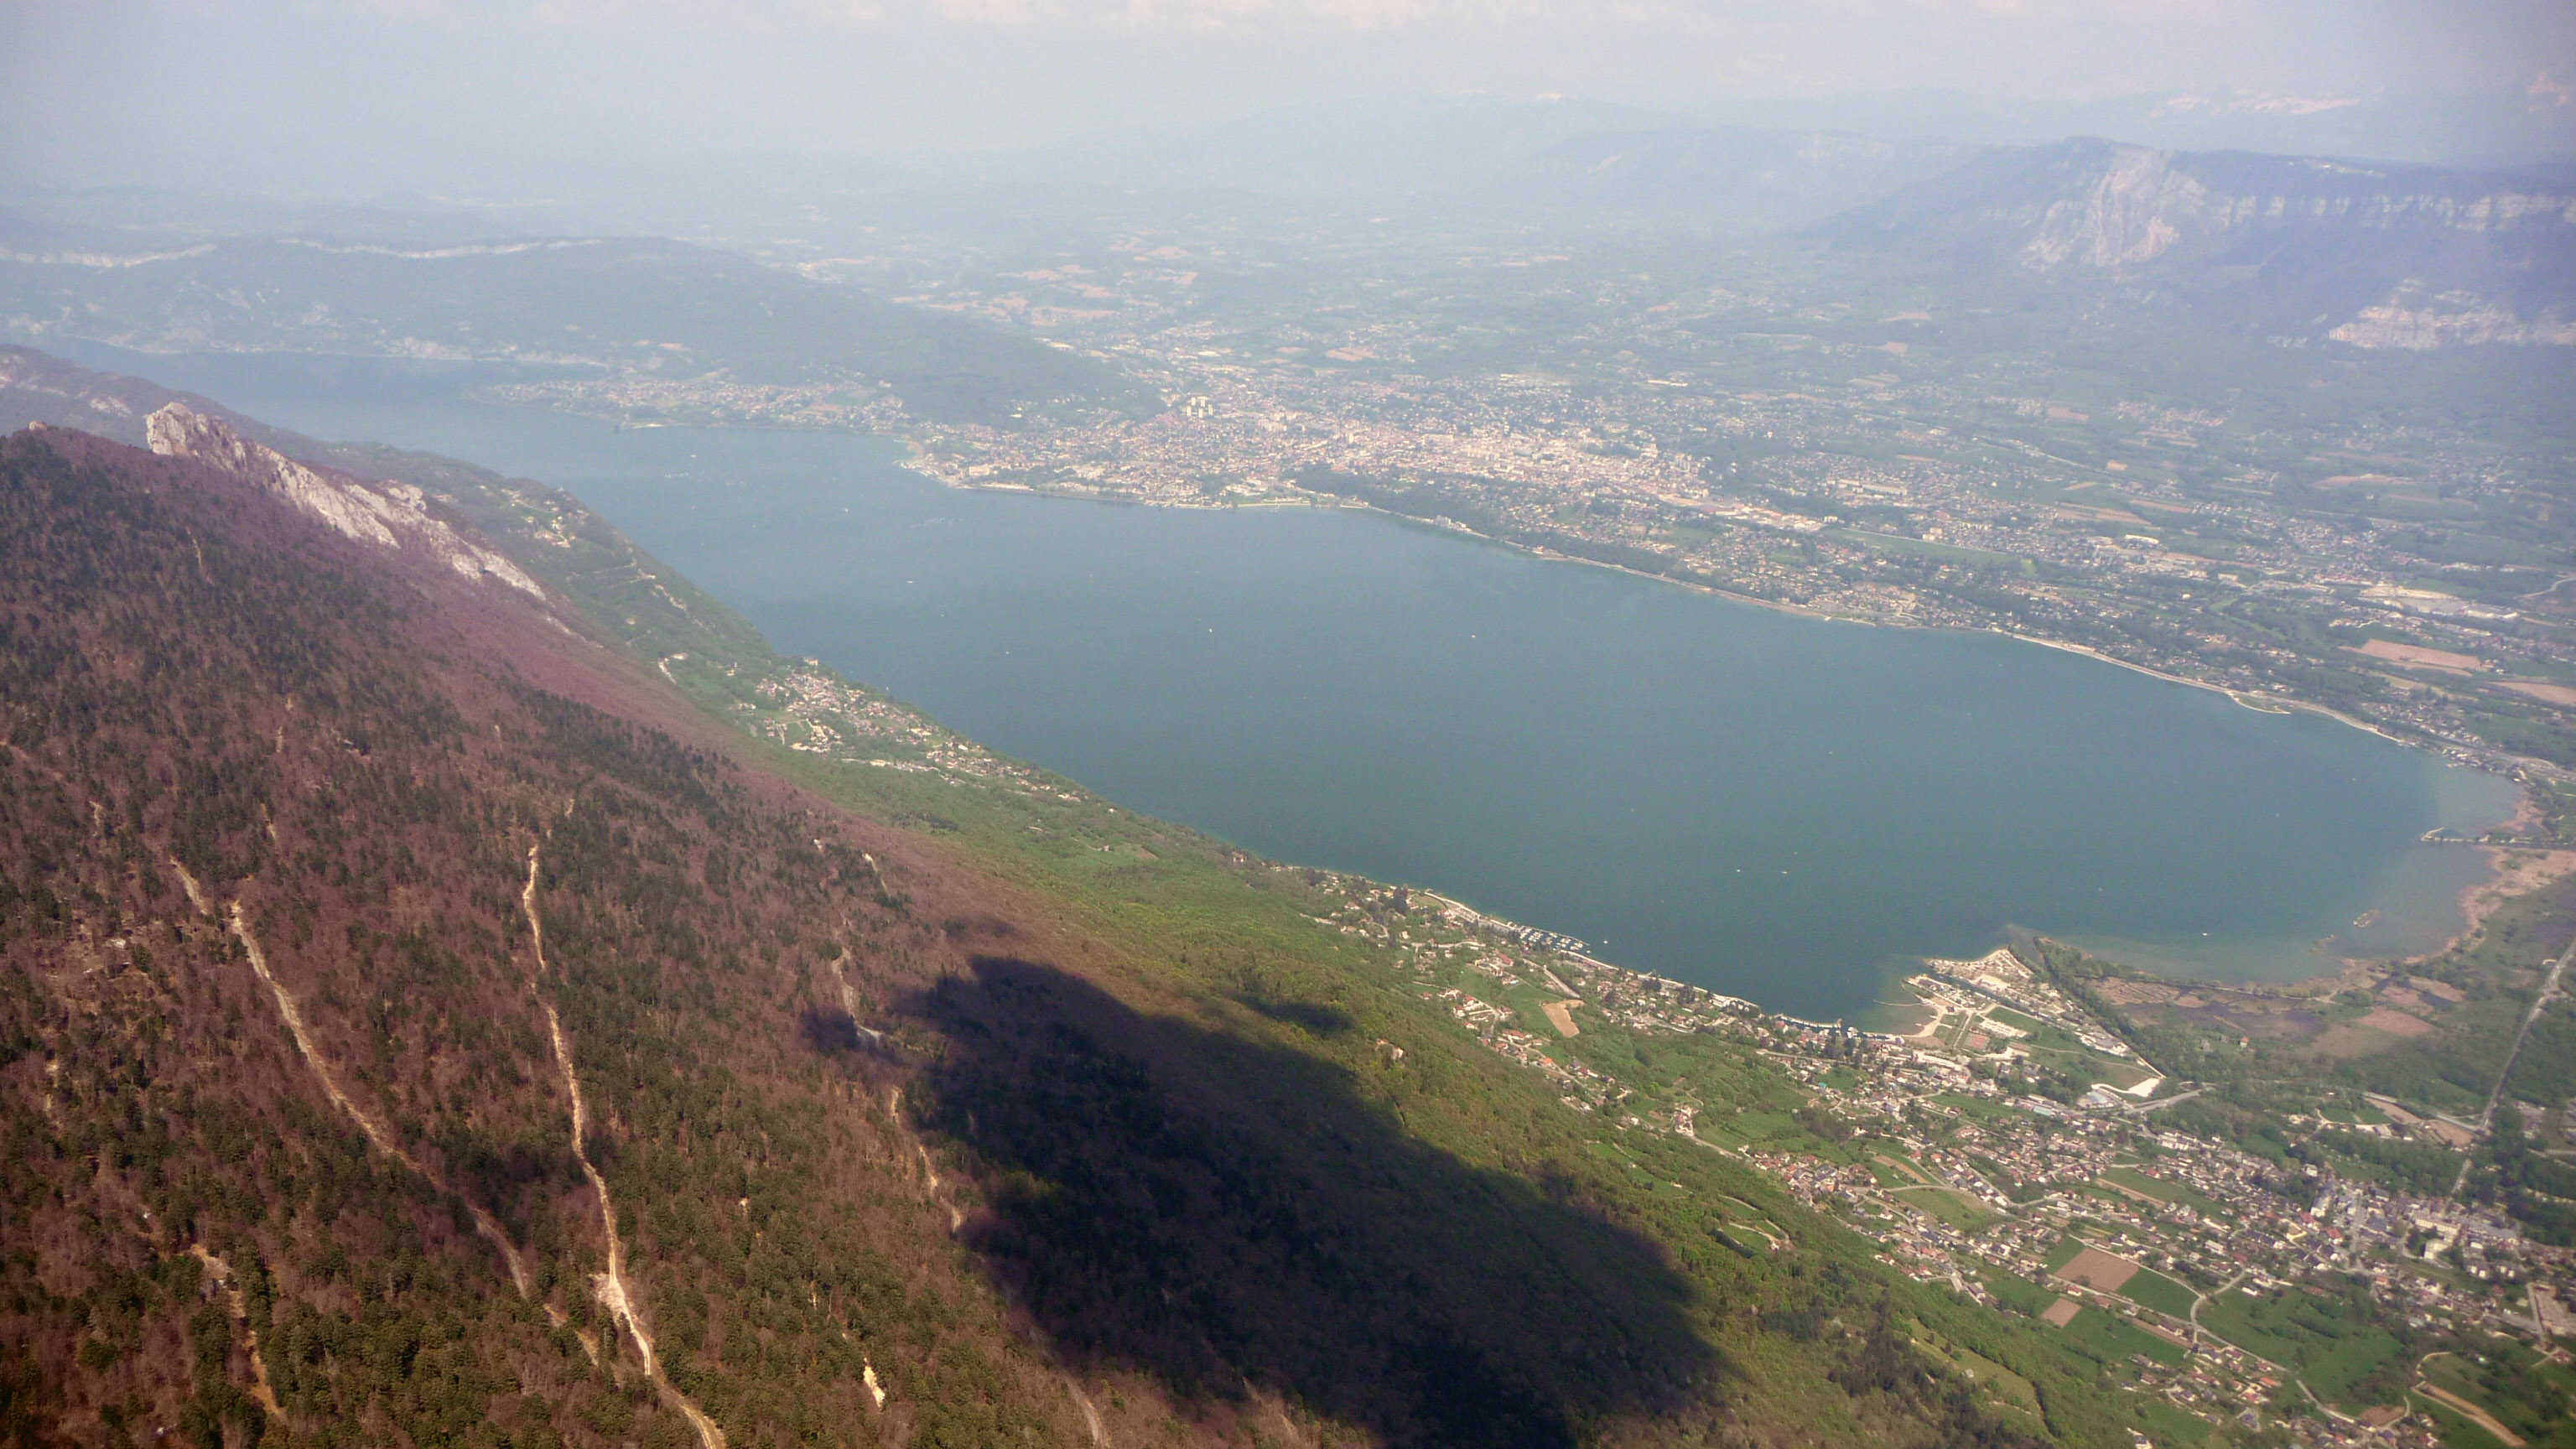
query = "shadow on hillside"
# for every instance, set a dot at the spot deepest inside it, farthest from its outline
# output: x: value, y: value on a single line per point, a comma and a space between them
x: 1311, y: 1017
x: 827, y: 1029
x: 1222, y: 1213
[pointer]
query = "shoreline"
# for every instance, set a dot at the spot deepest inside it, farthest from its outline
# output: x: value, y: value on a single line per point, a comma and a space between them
x: 2513, y: 872
x: 2475, y: 901
x: 2259, y: 703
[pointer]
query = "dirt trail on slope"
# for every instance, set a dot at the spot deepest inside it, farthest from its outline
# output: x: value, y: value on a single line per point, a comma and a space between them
x: 196, y: 892
x: 485, y: 1225
x: 1090, y: 1414
x: 850, y: 997
x: 930, y: 1174
x: 222, y: 1272
x: 611, y: 1286
x: 2470, y: 1412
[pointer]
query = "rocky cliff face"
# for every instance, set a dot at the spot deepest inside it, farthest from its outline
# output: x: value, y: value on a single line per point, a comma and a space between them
x: 392, y: 516
x: 2137, y: 205
x: 2362, y: 254
x: 2416, y: 320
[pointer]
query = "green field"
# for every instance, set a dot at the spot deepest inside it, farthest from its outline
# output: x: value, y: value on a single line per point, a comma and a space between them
x: 2110, y: 1339
x: 1950, y: 1206
x: 2016, y: 1292
x: 2150, y: 1289
x: 1995, y: 1381
x: 1982, y: 1109
x: 1905, y: 547
x: 2456, y: 1431
x: 2139, y: 1181
x: 2530, y: 1396
x: 2237, y: 1318
x: 2334, y: 1345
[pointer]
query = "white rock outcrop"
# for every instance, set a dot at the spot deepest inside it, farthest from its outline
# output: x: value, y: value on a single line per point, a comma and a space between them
x: 2413, y: 319
x: 387, y: 515
x: 2134, y: 212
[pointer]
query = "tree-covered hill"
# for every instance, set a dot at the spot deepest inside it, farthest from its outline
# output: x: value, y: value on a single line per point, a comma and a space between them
x: 423, y: 1023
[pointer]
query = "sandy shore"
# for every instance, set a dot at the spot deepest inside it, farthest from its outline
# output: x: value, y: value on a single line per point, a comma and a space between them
x: 2513, y: 872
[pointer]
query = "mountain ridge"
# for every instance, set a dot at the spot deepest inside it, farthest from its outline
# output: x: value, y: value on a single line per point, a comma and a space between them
x: 536, y: 1058
x: 581, y: 303
x: 2367, y: 254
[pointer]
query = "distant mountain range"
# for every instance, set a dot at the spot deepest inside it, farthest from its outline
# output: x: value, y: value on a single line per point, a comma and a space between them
x: 2305, y: 249
x: 600, y: 303
x: 2297, y: 249
x: 2269, y: 250
x: 1736, y: 180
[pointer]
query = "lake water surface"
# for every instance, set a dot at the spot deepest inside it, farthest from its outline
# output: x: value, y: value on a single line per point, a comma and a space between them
x: 1769, y: 805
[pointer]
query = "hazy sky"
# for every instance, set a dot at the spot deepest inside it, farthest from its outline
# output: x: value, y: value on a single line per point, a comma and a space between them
x: 358, y: 95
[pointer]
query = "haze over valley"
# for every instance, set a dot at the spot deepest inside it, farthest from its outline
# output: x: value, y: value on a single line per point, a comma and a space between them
x: 1340, y: 724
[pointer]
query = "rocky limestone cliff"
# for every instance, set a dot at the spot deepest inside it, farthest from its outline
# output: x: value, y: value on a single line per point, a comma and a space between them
x: 2138, y: 204
x: 2414, y: 319
x: 2133, y: 212
x: 387, y: 515
x: 2368, y: 255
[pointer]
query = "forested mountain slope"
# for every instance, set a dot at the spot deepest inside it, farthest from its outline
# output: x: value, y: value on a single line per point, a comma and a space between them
x: 283, y: 811
x: 422, y: 1025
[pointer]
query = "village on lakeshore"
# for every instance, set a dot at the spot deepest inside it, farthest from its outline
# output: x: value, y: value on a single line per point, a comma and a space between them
x: 2010, y: 1141
x: 2084, y: 1209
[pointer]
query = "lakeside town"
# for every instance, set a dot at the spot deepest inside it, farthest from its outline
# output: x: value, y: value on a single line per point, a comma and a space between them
x: 1760, y: 434
x: 2271, y: 1260
x: 2016, y: 1139
x: 2248, y: 1292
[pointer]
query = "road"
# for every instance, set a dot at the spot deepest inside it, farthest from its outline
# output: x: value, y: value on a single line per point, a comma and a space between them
x: 2144, y: 1108
x: 2197, y: 1330
x: 2539, y: 1003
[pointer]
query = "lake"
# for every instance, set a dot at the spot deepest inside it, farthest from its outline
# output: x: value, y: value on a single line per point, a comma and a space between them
x: 1773, y: 806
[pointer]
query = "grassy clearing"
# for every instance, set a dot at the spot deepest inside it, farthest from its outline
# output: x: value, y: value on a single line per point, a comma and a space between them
x: 2233, y: 1317
x: 2526, y: 1394
x: 2006, y: 1390
x: 2110, y: 1339
x: 2455, y: 1428
x: 2150, y: 1289
x: 1981, y: 1109
x: 1904, y: 547
x: 1949, y: 1205
x: 2166, y: 1191
x: 2343, y: 1357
